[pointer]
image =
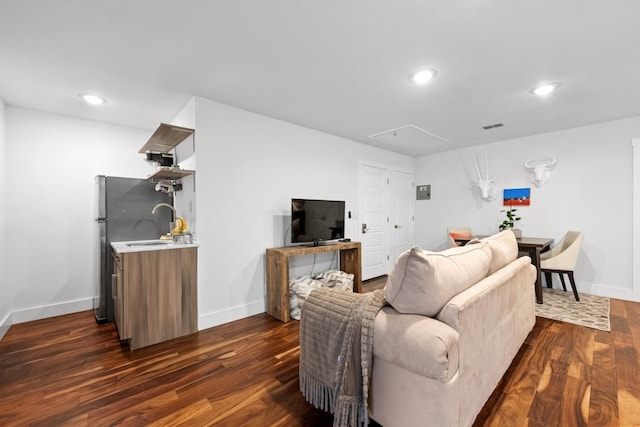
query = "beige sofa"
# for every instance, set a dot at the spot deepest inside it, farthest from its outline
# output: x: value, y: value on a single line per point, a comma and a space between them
x: 456, y: 321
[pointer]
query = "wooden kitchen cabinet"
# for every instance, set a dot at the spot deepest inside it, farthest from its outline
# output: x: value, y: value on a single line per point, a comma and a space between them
x: 155, y: 295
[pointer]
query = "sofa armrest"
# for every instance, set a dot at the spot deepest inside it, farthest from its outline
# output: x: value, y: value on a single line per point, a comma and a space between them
x: 419, y: 344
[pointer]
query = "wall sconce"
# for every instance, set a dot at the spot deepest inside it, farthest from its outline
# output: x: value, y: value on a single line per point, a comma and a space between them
x: 540, y: 168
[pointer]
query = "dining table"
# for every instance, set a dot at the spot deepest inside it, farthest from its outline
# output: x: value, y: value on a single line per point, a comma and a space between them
x: 533, y: 246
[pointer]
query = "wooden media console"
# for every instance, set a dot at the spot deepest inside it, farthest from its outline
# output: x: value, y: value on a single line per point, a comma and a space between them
x: 278, y: 271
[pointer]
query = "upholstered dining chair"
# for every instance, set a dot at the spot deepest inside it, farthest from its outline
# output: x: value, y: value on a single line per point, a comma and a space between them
x: 454, y: 233
x: 562, y: 259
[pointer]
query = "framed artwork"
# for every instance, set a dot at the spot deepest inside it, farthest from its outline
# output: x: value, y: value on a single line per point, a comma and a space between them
x: 516, y: 197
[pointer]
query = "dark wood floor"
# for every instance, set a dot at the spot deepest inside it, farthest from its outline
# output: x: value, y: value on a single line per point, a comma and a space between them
x: 70, y: 371
x: 568, y: 375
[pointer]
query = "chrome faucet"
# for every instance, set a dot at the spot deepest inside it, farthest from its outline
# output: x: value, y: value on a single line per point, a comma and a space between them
x: 167, y: 205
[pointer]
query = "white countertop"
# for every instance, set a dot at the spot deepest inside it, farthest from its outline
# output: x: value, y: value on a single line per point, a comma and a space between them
x: 149, y: 245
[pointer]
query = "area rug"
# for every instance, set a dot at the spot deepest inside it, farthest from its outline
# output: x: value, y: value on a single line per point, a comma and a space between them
x: 591, y: 311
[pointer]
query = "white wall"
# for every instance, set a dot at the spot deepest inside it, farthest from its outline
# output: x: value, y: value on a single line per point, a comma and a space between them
x: 5, y: 295
x: 51, y: 259
x: 185, y: 200
x: 590, y: 190
x: 249, y: 168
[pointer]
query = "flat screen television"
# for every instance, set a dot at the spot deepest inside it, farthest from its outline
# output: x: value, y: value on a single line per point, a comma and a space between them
x: 315, y: 221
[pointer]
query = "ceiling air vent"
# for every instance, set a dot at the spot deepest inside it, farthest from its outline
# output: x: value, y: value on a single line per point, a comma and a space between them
x: 495, y: 125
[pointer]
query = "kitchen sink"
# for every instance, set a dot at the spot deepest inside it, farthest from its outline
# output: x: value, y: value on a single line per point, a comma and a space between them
x: 151, y: 243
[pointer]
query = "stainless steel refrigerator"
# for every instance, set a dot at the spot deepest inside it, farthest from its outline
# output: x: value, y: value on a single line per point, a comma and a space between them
x: 124, y: 213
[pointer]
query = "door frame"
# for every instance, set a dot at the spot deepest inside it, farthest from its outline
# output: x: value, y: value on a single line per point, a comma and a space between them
x: 635, y: 222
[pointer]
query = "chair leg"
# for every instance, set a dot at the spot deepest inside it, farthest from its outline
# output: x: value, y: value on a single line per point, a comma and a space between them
x: 547, y: 278
x: 562, y: 280
x: 573, y: 285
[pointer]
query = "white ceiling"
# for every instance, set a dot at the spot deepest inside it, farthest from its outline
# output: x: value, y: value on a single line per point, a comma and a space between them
x: 340, y: 67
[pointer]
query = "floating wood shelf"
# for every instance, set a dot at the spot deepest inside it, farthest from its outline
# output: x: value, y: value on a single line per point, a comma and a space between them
x: 165, y: 138
x: 169, y: 173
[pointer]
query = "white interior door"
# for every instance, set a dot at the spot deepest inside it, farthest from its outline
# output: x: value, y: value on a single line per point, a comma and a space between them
x: 373, y: 217
x: 386, y: 217
x: 402, y: 213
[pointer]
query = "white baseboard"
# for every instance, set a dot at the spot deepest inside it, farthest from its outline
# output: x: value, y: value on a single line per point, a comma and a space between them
x: 604, y: 291
x: 205, y: 321
x: 216, y: 318
x: 43, y: 312
x: 5, y: 325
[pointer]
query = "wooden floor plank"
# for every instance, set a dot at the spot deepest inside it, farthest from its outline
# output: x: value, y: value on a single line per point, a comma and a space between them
x: 69, y: 370
x: 628, y: 379
x: 603, y: 408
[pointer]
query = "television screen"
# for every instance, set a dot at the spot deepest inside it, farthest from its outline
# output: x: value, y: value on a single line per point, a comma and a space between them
x: 316, y: 220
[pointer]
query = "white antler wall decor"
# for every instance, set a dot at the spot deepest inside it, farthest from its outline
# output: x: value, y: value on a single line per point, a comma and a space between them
x: 486, y: 185
x: 540, y: 169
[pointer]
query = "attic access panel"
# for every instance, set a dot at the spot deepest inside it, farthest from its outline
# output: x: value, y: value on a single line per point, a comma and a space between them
x: 166, y: 138
x: 410, y: 136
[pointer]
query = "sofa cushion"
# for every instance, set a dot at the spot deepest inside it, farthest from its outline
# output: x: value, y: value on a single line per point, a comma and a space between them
x: 419, y: 344
x: 422, y: 282
x: 504, y: 249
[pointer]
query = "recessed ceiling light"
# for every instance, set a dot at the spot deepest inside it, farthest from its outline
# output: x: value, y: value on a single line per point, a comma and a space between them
x: 545, y: 89
x: 92, y: 99
x: 423, y: 76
